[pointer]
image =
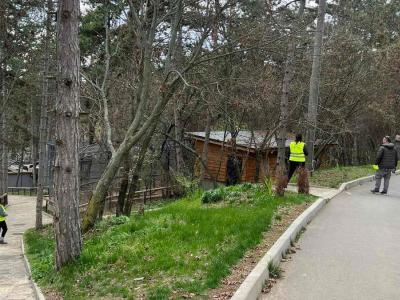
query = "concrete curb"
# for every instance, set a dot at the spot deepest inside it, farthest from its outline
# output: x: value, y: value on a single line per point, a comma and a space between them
x: 252, y: 286
x: 38, y: 293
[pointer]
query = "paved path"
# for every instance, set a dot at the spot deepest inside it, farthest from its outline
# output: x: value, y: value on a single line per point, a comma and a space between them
x: 351, y: 250
x: 14, y: 281
x: 316, y: 191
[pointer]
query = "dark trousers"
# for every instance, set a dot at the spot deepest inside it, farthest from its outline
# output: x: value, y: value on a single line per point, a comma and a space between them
x: 293, y: 165
x: 3, y: 227
x: 385, y: 174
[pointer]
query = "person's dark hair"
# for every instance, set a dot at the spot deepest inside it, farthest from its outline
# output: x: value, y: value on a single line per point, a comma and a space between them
x: 299, y: 137
x: 388, y: 139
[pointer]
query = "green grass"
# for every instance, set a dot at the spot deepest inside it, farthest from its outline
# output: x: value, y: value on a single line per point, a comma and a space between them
x: 275, y: 271
x: 334, y: 177
x: 184, y: 248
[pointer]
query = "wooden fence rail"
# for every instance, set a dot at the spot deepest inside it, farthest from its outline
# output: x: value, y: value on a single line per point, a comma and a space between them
x: 26, y: 191
x: 112, y: 198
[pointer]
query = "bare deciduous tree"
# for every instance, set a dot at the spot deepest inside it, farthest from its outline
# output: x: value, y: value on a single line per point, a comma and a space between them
x: 43, y: 127
x: 287, y: 79
x: 314, y: 84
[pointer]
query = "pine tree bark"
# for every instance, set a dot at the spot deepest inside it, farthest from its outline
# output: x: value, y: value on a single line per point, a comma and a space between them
x: 314, y: 84
x: 43, y: 127
x: 287, y: 79
x: 66, y: 175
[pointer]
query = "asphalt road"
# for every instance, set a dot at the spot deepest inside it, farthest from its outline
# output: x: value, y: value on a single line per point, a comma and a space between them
x: 351, y: 250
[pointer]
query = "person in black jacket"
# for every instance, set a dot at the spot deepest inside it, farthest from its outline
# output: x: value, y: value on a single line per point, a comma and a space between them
x: 386, y: 159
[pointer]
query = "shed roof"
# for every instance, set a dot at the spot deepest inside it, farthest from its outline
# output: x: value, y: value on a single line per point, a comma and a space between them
x: 243, y: 139
x: 92, y: 151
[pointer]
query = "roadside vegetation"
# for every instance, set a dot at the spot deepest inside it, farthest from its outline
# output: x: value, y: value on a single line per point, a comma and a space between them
x: 334, y: 177
x: 180, y: 250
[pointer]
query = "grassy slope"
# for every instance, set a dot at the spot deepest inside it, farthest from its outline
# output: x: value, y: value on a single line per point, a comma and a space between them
x: 185, y: 247
x: 334, y: 177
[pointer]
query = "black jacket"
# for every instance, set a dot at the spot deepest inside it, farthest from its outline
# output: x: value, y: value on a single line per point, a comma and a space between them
x: 387, y: 157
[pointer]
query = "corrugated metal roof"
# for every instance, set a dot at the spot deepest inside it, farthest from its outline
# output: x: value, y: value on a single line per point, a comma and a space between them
x: 243, y: 139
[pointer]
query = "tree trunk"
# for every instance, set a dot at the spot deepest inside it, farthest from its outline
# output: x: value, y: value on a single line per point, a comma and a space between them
x: 178, y: 137
x: 34, y: 147
x: 259, y: 161
x: 20, y: 167
x: 137, y: 170
x: 171, y: 64
x: 43, y: 131
x: 136, y: 130
x: 287, y: 79
x: 3, y: 106
x: 123, y: 188
x: 204, y: 155
x: 355, y: 160
x: 314, y: 84
x: 66, y: 176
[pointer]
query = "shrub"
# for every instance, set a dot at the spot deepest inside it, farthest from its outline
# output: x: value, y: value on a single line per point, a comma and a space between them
x: 213, y: 196
x: 268, y: 186
x: 274, y: 271
x: 246, y: 187
x: 303, y: 185
x: 234, y: 196
x: 188, y: 185
x: 112, y: 221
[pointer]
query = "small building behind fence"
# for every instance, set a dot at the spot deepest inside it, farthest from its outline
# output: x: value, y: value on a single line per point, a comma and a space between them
x: 249, y: 151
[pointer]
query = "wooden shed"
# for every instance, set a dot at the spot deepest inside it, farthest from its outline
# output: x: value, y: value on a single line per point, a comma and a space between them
x: 255, y: 158
x: 246, y: 148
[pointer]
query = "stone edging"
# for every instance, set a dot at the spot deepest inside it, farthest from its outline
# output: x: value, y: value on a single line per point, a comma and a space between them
x: 252, y: 286
x: 38, y: 293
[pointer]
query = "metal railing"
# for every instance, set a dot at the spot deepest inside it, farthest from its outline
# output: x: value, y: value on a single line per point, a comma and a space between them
x: 112, y: 198
x: 26, y: 191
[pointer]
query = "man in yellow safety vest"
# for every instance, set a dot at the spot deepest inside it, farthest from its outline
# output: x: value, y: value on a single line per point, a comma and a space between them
x: 3, y: 224
x: 298, y: 153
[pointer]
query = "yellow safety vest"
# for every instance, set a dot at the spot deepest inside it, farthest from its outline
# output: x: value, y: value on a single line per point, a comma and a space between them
x: 4, y: 210
x: 297, y: 152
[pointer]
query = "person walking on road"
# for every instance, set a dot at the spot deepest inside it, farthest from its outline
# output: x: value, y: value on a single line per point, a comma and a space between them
x: 386, y: 160
x: 298, y: 153
x: 3, y: 224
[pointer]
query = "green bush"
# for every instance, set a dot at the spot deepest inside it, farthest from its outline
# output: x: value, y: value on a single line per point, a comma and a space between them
x: 111, y: 221
x: 234, y: 196
x: 246, y: 187
x: 189, y: 185
x: 213, y: 196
